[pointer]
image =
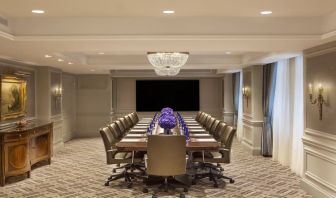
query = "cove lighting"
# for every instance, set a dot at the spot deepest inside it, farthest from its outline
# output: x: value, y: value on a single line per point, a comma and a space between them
x: 38, y: 11
x: 47, y: 56
x: 70, y: 63
x: 168, y: 12
x: 266, y: 12
x: 60, y: 60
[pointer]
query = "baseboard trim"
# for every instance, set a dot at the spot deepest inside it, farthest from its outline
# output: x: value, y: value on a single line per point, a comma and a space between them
x: 250, y: 149
x: 315, y: 190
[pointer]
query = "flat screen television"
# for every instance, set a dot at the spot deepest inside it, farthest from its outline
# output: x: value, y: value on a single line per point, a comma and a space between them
x: 181, y: 95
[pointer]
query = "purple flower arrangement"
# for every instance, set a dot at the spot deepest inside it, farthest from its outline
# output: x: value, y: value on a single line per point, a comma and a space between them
x: 167, y: 119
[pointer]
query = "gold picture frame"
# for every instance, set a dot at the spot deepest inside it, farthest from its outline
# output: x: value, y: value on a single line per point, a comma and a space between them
x: 13, y: 97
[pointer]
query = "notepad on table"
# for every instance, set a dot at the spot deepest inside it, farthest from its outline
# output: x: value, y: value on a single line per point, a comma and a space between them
x: 195, y: 127
x: 140, y: 127
x: 200, y: 135
x: 132, y: 140
x: 135, y: 135
x: 138, y: 130
x: 203, y: 140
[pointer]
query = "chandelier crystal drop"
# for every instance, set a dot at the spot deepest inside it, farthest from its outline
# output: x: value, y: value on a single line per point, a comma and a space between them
x: 167, y: 63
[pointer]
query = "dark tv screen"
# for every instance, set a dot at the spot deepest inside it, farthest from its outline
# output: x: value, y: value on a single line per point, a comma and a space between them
x: 181, y: 95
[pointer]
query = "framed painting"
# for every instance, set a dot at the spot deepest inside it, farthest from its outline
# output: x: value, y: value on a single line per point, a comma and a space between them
x: 13, y: 97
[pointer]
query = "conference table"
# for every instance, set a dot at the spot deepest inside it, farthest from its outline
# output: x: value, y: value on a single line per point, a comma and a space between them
x: 136, y: 138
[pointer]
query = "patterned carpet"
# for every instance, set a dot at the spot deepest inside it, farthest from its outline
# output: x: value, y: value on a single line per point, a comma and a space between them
x: 79, y: 170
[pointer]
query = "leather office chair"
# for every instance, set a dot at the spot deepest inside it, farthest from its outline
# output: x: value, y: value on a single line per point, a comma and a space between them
x: 121, y: 127
x: 134, y: 117
x: 166, y: 160
x: 202, y: 118
x: 125, y: 123
x: 222, y: 156
x: 113, y: 156
x: 219, y: 130
x: 214, y: 127
x: 209, y: 123
x: 206, y: 120
x: 128, y: 121
x: 116, y: 131
x: 198, y: 115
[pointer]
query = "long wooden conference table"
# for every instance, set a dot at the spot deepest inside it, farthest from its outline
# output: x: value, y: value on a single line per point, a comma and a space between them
x: 136, y: 139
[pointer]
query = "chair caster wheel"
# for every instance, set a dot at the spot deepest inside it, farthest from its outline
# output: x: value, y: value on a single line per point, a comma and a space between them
x: 182, y: 195
x: 185, y: 189
x: 231, y: 181
x: 215, y: 185
x: 154, y: 196
x: 129, y: 186
x: 114, y: 171
x: 107, y: 184
x: 193, y: 182
x: 145, y: 190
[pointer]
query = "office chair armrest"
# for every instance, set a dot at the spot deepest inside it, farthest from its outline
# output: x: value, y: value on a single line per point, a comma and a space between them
x: 224, y: 149
x: 113, y: 152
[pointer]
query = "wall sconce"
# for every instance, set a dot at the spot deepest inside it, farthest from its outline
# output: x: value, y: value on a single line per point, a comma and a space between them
x: 246, y: 94
x: 319, y: 100
x: 58, y: 92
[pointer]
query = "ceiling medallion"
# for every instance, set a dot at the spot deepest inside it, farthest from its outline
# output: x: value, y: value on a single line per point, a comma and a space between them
x: 167, y: 63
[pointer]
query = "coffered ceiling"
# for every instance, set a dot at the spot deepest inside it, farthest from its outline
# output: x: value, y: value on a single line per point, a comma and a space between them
x: 99, y: 36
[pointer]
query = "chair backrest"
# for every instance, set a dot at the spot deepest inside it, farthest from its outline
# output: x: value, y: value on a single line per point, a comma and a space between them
x: 121, y: 126
x: 201, y: 117
x: 134, y: 117
x: 198, y: 115
x: 129, y: 121
x: 115, y: 131
x: 166, y: 155
x: 109, y: 142
x: 209, y: 123
x: 125, y: 123
x: 221, y: 127
x: 214, y: 127
x: 205, y: 119
x: 226, y: 141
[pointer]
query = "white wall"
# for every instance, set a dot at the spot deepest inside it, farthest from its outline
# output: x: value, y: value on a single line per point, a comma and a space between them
x: 94, y: 103
x: 319, y: 140
x: 69, y: 109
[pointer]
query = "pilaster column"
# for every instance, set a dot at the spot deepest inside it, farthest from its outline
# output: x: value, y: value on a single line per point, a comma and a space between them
x: 228, y: 105
x: 252, y: 109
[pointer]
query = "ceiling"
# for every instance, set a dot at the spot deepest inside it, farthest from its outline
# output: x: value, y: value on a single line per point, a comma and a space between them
x: 219, y: 34
x: 236, y: 8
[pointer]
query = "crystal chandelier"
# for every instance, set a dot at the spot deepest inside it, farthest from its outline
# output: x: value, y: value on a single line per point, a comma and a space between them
x: 167, y: 63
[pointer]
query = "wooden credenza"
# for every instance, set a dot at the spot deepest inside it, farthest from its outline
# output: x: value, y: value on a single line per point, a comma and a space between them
x: 23, y: 147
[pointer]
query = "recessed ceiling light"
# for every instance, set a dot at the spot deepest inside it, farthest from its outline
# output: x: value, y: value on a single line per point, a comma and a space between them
x: 168, y: 12
x: 227, y: 52
x: 92, y: 70
x: 70, y: 63
x: 47, y: 56
x: 266, y: 12
x: 38, y: 11
x: 101, y: 53
x: 60, y: 60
